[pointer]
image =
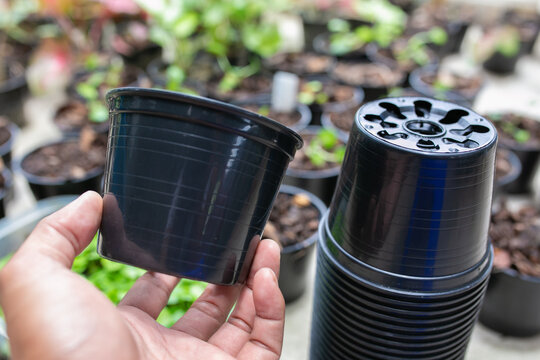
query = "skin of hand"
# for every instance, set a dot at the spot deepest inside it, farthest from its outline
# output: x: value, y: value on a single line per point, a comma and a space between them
x: 53, y: 313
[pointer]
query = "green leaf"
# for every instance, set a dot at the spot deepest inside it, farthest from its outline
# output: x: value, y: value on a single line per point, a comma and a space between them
x: 175, y: 77
x: 87, y: 91
x: 186, y: 25
x: 338, y: 25
x: 97, y: 112
x: 522, y: 136
x: 328, y: 138
x: 340, y: 154
x: 317, y: 159
x: 306, y: 98
x: 438, y: 36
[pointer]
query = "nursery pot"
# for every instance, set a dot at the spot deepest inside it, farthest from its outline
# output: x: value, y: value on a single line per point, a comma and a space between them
x: 511, y: 304
x: 403, y: 252
x: 420, y: 85
x: 43, y: 187
x: 13, y: 92
x: 6, y: 193
x: 189, y: 183
x: 529, y: 157
x: 5, y: 148
x: 303, y: 111
x: 502, y: 183
x: 319, y: 182
x: 500, y: 64
x: 296, y: 259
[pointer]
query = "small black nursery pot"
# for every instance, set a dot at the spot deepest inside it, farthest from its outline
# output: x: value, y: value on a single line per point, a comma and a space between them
x: 296, y: 257
x: 189, y: 183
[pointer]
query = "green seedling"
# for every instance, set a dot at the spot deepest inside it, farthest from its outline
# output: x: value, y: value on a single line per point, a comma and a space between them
x: 312, y: 92
x: 325, y: 148
x: 417, y: 50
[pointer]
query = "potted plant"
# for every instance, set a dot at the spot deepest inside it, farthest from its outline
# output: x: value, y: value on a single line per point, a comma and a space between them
x: 301, y: 64
x: 328, y: 95
x: 296, y: 120
x: 339, y: 121
x: 499, y: 49
x: 448, y: 85
x: 511, y: 301
x: 8, y: 133
x: 85, y: 105
x: 521, y: 134
x: 507, y: 170
x: 374, y: 78
x: 293, y: 223
x: 69, y: 166
x: 342, y: 41
x: 316, y: 166
x: 409, y: 52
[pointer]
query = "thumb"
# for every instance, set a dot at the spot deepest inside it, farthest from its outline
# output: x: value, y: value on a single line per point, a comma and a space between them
x: 62, y: 235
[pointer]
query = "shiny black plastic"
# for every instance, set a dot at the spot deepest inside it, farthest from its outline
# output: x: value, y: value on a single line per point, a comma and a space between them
x: 414, y: 194
x: 403, y: 254
x: 189, y: 183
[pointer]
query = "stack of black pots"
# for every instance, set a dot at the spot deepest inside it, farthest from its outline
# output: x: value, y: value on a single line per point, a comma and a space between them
x: 404, y: 256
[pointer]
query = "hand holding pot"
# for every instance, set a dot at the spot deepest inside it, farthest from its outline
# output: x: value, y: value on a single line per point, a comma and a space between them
x: 53, y: 313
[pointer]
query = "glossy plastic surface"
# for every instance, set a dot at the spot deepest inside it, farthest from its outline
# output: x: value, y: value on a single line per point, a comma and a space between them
x: 414, y: 194
x: 189, y: 183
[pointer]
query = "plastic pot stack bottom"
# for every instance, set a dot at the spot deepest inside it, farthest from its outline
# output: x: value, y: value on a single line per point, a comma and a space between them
x: 403, y: 256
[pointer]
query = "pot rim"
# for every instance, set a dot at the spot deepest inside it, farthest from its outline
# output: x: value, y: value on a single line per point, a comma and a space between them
x: 13, y: 131
x: 315, y: 174
x: 315, y: 201
x: 514, y: 172
x: 207, y: 103
x: 42, y: 180
x: 516, y: 274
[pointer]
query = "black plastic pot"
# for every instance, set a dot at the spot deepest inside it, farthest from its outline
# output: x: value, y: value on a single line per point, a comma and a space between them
x: 44, y: 187
x: 529, y: 157
x: 189, y: 183
x: 5, y: 148
x: 319, y: 182
x: 511, y: 304
x: 13, y: 93
x: 502, y: 183
x: 303, y: 110
x: 335, y: 106
x: 296, y: 259
x: 500, y: 64
x: 6, y: 193
x: 371, y: 91
x: 458, y: 97
x: 403, y: 254
x: 72, y: 131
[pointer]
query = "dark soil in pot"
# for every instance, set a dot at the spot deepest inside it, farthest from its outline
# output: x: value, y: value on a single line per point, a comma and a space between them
x: 446, y: 85
x: 318, y: 177
x: 511, y: 301
x: 375, y: 79
x: 72, y: 117
x: 323, y: 94
x: 521, y: 134
x: 301, y: 64
x: 342, y: 121
x: 253, y: 85
x: 293, y: 223
x: 515, y: 237
x: 72, y: 166
x: 296, y: 120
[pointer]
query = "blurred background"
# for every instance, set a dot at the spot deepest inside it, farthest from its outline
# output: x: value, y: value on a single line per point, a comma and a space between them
x: 58, y: 59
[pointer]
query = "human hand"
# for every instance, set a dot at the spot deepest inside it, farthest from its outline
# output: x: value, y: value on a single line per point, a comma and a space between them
x: 53, y: 313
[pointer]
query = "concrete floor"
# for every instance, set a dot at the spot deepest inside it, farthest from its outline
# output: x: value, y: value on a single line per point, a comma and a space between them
x: 521, y: 91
